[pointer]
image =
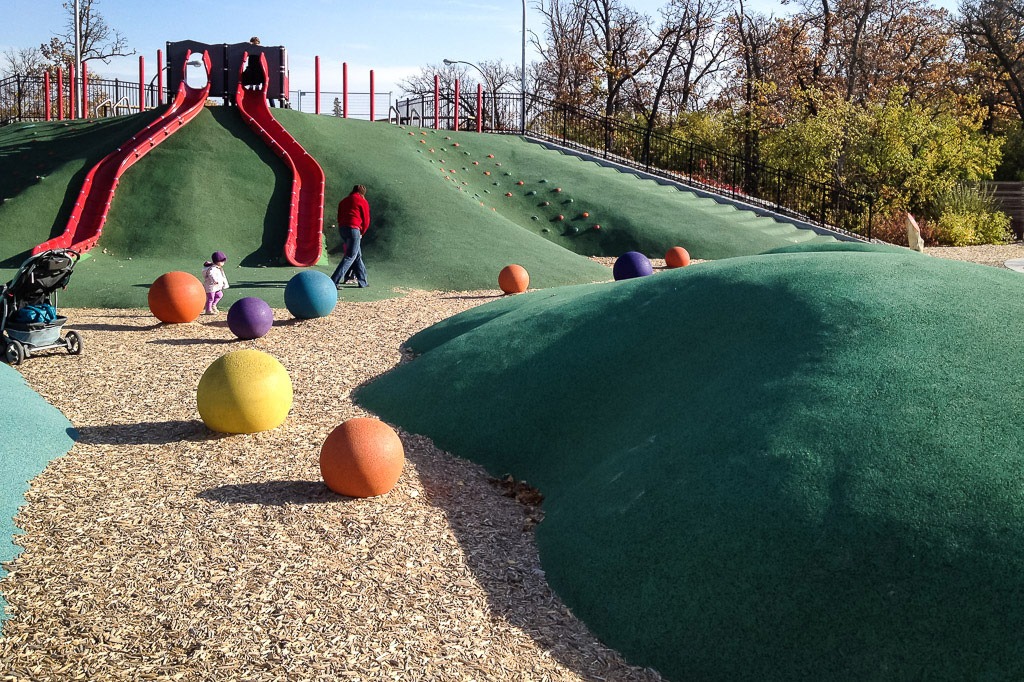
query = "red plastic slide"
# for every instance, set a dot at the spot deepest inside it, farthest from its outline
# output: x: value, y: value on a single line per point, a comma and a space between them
x: 90, y: 211
x: 306, y: 215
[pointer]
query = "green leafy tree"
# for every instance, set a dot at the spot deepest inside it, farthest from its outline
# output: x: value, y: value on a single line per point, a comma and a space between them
x: 897, y: 149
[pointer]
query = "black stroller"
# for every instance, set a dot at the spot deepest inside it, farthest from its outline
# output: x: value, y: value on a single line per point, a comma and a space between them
x: 28, y: 319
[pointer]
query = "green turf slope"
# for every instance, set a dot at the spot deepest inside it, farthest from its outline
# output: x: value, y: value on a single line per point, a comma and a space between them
x: 634, y: 214
x: 215, y: 185
x: 33, y: 433
x: 39, y: 164
x: 789, y: 466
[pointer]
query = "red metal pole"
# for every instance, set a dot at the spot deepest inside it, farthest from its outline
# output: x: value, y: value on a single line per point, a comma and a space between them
x: 160, y: 76
x: 46, y: 88
x: 455, y: 125
x: 142, y: 83
x: 85, y: 90
x: 72, y: 92
x: 60, y: 94
x: 479, y: 108
x: 437, y: 102
x: 344, y: 89
x: 372, y: 119
x: 316, y: 71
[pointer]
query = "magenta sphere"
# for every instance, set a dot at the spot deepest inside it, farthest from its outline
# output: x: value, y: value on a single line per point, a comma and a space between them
x: 250, y: 318
x: 632, y: 264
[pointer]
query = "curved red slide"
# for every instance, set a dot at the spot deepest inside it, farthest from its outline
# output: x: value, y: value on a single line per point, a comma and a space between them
x: 304, y: 243
x: 93, y: 204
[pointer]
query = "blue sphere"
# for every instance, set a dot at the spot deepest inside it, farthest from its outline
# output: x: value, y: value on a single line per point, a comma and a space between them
x: 250, y: 318
x: 632, y: 264
x: 309, y: 294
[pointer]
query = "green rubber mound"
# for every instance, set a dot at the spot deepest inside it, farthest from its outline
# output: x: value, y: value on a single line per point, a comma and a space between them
x: 438, y: 221
x: 34, y: 432
x: 791, y: 466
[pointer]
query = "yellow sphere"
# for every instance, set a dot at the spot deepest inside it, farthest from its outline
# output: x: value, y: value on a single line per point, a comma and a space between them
x: 244, y: 391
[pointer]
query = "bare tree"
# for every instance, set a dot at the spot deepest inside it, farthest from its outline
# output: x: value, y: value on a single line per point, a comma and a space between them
x: 27, y: 61
x: 995, y: 30
x: 567, y: 68
x: 754, y: 36
x: 622, y: 42
x: 98, y: 40
x: 689, y: 51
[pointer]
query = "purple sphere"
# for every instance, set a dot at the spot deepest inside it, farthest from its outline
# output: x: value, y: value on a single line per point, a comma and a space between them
x: 250, y: 318
x: 631, y: 264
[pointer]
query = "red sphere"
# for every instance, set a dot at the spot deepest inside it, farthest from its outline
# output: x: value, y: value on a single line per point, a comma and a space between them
x: 677, y: 257
x: 177, y: 297
x: 514, y: 279
x: 362, y: 457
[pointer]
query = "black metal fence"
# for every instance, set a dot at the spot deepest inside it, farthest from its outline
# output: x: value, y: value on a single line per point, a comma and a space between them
x: 332, y: 103
x: 823, y: 204
x: 500, y: 112
x: 23, y: 98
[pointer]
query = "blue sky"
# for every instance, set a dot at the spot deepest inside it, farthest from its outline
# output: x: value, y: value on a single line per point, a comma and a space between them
x: 391, y: 37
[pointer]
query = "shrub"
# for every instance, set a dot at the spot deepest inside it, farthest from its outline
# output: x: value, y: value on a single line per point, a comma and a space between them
x: 971, y: 229
x: 969, y: 215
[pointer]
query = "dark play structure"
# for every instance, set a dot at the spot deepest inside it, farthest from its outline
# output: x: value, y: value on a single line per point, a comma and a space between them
x: 244, y: 74
x: 226, y: 64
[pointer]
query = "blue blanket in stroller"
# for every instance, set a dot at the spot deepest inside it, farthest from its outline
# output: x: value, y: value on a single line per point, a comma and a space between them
x: 44, y: 312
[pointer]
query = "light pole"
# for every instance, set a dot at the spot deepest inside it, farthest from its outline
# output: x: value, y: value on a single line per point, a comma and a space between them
x: 522, y: 102
x: 487, y: 82
x: 78, y: 55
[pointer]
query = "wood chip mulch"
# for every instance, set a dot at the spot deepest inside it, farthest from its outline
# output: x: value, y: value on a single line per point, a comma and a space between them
x: 157, y: 549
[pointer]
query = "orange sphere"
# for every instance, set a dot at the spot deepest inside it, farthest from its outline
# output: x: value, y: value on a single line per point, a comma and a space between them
x: 513, y: 279
x: 177, y: 297
x: 677, y: 257
x: 362, y: 457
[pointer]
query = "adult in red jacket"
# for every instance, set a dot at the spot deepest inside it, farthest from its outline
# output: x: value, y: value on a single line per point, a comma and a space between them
x: 353, y: 221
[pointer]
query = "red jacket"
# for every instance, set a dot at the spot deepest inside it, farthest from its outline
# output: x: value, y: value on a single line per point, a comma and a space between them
x: 354, y: 211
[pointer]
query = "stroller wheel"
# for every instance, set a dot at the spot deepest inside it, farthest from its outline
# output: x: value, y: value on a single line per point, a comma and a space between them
x: 74, y: 343
x: 15, y: 352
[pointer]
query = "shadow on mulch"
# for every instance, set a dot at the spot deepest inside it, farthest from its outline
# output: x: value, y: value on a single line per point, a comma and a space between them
x: 113, y: 327
x: 501, y: 552
x: 274, y: 493
x: 470, y: 298
x: 192, y: 342
x: 146, y: 433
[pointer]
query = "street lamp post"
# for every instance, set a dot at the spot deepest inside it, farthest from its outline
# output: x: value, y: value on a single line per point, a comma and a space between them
x: 522, y: 101
x: 78, y: 55
x: 487, y: 82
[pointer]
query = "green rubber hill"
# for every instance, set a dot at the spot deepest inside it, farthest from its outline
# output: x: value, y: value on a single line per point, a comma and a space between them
x: 438, y: 221
x: 34, y: 432
x: 791, y: 466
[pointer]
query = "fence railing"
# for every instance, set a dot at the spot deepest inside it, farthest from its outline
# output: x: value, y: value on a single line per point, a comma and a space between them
x: 23, y: 98
x: 332, y: 103
x: 823, y: 204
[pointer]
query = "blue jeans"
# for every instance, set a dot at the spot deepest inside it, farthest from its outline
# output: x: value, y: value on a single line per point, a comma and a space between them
x: 351, y: 238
